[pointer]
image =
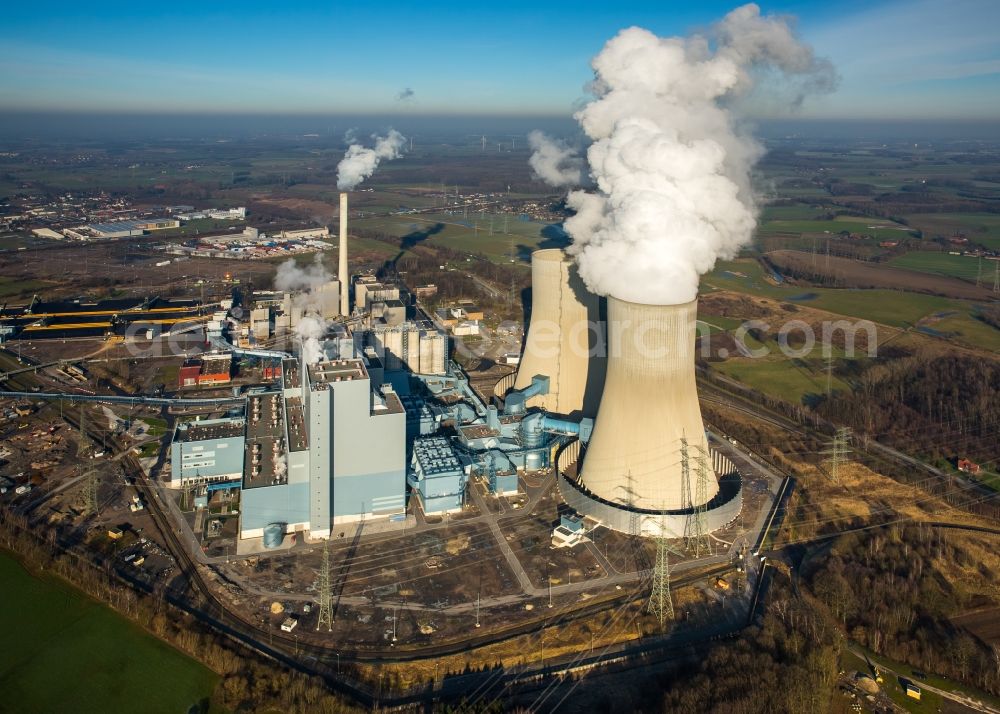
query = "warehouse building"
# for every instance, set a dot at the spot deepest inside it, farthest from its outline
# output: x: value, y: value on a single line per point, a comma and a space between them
x: 136, y: 227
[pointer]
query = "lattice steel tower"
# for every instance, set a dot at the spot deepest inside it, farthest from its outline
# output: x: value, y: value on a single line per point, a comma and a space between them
x: 838, y: 451
x: 699, y: 539
x: 324, y: 586
x: 661, y: 603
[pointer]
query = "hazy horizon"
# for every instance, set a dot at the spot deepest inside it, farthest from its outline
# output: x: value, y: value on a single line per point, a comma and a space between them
x: 83, y: 126
x: 896, y: 59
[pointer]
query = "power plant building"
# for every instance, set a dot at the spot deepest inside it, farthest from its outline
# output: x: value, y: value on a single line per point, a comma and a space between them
x: 207, y: 451
x: 418, y: 347
x: 437, y: 476
x: 344, y: 448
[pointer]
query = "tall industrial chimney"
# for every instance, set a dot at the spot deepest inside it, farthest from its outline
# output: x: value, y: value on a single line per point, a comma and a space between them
x: 565, y: 340
x: 345, y: 305
x: 649, y: 413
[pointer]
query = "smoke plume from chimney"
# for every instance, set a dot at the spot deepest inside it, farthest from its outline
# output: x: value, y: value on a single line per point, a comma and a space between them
x: 360, y: 162
x: 304, y: 283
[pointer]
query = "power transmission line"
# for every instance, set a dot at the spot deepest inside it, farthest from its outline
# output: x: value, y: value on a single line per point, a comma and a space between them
x: 838, y: 451
x: 661, y: 604
x: 324, y: 586
x: 93, y: 483
x: 700, y: 539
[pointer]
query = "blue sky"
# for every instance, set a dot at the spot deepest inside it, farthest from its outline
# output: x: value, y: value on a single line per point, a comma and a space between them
x: 918, y: 59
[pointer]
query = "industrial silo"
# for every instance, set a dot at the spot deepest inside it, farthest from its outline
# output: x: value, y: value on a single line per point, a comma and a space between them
x: 648, y: 441
x: 565, y: 339
x: 274, y: 534
x: 426, y: 354
x: 439, y: 350
x: 392, y: 340
x: 411, y: 349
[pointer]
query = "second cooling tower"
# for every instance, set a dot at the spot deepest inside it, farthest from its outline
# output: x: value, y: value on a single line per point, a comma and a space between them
x: 565, y: 338
x: 648, y: 439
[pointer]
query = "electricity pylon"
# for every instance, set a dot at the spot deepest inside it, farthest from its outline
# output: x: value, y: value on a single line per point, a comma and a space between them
x: 634, y: 527
x: 699, y: 530
x: 838, y: 451
x: 324, y: 585
x: 83, y: 429
x: 691, y: 524
x: 93, y: 483
x: 661, y: 603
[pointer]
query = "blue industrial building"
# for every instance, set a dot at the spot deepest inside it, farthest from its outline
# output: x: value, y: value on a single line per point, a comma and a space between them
x: 330, y: 449
x: 437, y: 476
x: 207, y: 451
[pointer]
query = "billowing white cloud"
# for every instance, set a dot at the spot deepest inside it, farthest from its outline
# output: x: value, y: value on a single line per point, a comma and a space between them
x: 670, y: 163
x: 360, y: 161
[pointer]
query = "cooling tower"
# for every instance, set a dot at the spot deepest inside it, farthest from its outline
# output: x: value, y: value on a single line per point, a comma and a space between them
x: 565, y: 338
x: 649, y: 405
x: 345, y: 305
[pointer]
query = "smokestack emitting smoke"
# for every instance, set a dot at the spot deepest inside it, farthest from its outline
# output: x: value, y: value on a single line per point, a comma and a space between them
x: 360, y: 162
x: 671, y: 166
x: 304, y: 284
x: 345, y: 304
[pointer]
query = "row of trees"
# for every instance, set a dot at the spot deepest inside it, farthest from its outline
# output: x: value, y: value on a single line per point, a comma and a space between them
x: 948, y: 402
x: 787, y: 663
x: 889, y: 592
x: 248, y: 682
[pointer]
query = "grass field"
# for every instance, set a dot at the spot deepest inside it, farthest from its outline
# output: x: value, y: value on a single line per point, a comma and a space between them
x: 889, y: 307
x: 12, y: 287
x: 798, y: 212
x: 460, y: 233
x: 779, y: 376
x: 876, y: 228
x: 978, y: 227
x: 956, y: 266
x: 66, y: 653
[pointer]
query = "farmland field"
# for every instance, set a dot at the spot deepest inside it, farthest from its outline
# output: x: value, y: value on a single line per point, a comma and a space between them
x: 981, y: 228
x: 848, y: 273
x: 957, y: 266
x: 875, y: 228
x: 779, y: 376
x: 64, y: 652
x: 895, y: 308
x: 470, y: 234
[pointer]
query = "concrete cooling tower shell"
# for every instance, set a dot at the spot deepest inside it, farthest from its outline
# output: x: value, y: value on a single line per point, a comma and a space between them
x: 649, y: 404
x: 565, y: 338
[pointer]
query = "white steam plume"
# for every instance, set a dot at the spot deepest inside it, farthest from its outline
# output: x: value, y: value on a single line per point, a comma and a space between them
x: 310, y: 330
x: 292, y: 278
x: 671, y: 166
x: 554, y: 161
x: 360, y: 162
x: 304, y: 284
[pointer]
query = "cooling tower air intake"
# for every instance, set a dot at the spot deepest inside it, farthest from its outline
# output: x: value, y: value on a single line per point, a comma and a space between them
x: 565, y: 340
x: 649, y: 413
